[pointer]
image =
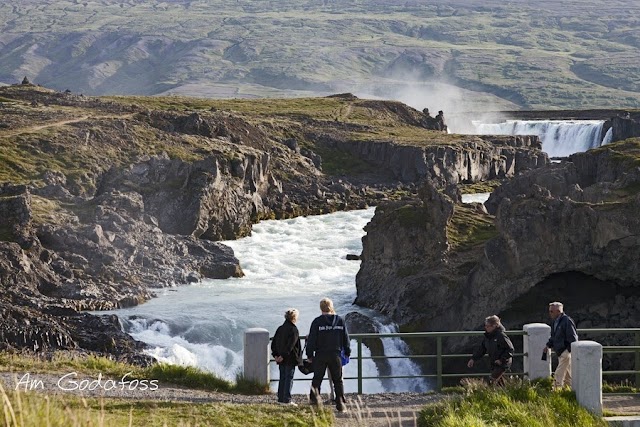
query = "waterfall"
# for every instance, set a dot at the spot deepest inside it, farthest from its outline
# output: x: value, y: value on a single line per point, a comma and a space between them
x: 608, y: 137
x: 559, y: 138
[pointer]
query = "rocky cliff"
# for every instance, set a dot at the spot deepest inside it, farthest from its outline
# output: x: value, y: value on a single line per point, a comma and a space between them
x: 106, y: 199
x: 567, y: 232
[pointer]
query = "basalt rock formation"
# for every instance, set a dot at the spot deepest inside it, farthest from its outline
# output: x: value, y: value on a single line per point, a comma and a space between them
x: 567, y: 232
x: 105, y: 200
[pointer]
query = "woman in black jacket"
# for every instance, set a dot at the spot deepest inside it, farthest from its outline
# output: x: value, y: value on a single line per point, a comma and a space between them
x: 498, y: 346
x: 287, y: 352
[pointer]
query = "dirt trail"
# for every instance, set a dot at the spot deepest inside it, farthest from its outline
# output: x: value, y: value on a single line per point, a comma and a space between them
x: 31, y: 129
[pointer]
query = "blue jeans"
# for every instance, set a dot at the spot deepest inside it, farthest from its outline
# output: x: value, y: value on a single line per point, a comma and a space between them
x: 286, y: 383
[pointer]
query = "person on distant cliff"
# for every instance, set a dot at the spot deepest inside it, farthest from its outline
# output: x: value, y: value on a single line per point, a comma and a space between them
x: 563, y: 333
x: 328, y: 337
x: 498, y: 346
x: 287, y: 352
x: 440, y: 121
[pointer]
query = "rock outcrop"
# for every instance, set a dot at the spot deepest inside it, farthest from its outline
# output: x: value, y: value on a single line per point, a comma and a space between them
x: 121, y: 199
x: 567, y: 232
x: 476, y: 158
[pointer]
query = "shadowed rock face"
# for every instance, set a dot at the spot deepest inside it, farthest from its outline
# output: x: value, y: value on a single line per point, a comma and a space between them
x: 579, y: 216
x: 53, y: 271
x: 481, y: 158
x: 146, y: 210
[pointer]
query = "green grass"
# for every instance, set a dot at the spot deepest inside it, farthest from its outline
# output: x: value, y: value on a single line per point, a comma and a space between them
x: 411, y: 216
x: 338, y: 162
x: 187, y: 376
x: 480, y: 187
x: 623, y: 387
x: 469, y: 228
x: 37, y: 410
x: 519, y: 403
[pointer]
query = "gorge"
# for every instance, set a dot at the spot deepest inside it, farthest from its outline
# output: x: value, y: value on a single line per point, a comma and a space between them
x: 107, y: 200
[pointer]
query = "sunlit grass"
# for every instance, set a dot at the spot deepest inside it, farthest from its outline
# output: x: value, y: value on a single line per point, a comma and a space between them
x: 519, y: 403
x: 38, y: 410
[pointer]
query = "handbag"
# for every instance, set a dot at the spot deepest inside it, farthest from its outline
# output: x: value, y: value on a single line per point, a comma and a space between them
x: 306, y: 367
x: 344, y: 359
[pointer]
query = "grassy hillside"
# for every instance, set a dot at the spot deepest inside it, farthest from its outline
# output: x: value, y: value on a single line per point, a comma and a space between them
x: 539, y: 54
x: 83, y: 137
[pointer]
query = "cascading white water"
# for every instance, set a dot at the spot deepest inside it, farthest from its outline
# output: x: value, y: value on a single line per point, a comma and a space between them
x: 559, y: 138
x: 608, y: 137
x: 287, y: 263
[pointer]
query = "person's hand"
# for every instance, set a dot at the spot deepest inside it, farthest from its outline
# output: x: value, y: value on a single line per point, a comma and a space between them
x: 279, y: 359
x: 498, y: 362
x: 546, y: 349
x: 310, y: 359
x: 470, y: 363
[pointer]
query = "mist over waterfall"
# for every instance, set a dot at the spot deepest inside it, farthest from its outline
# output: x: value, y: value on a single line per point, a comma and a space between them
x: 287, y: 263
x: 559, y: 138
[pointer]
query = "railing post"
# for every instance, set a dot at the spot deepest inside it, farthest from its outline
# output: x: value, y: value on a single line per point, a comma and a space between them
x: 534, y: 340
x: 439, y: 363
x: 256, y: 355
x: 637, y: 368
x: 586, y: 374
x: 359, y: 340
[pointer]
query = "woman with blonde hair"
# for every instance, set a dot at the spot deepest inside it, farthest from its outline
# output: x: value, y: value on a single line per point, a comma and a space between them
x: 328, y: 337
x: 287, y: 352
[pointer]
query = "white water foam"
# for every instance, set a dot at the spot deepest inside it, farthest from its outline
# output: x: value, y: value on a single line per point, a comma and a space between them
x: 475, y: 198
x: 287, y: 263
x: 559, y: 138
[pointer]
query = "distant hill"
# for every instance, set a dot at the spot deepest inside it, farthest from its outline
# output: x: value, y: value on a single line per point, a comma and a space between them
x: 455, y: 55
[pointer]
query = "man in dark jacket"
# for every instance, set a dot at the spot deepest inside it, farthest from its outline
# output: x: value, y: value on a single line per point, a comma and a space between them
x: 287, y: 352
x: 498, y: 346
x: 328, y: 336
x: 563, y: 333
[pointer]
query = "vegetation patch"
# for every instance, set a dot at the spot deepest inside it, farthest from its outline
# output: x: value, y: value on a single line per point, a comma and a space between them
x: 480, y: 187
x: 187, y: 376
x: 518, y: 403
x: 411, y: 215
x: 625, y: 152
x: 37, y: 409
x: 469, y: 228
x: 338, y: 162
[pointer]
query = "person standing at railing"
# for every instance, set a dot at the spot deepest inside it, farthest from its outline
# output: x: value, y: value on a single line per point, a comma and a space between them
x: 328, y: 336
x: 498, y: 346
x: 563, y: 333
x: 287, y: 352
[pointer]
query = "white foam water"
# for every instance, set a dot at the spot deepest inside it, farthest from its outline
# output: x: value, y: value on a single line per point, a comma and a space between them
x: 559, y: 138
x: 287, y: 263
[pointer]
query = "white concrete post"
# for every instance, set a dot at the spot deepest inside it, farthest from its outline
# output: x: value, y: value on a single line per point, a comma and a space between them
x: 256, y: 355
x: 535, y: 340
x: 586, y: 374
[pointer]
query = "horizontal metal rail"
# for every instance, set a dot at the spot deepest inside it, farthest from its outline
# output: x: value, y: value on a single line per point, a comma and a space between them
x: 439, y: 355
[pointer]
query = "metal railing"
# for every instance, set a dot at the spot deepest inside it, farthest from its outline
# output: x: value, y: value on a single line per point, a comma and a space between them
x: 439, y: 355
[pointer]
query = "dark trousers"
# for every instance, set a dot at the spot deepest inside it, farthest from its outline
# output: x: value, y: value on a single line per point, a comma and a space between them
x: 497, y: 375
x: 286, y: 382
x: 320, y: 364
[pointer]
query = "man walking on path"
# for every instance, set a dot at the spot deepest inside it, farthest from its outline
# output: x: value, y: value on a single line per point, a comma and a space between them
x: 563, y: 333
